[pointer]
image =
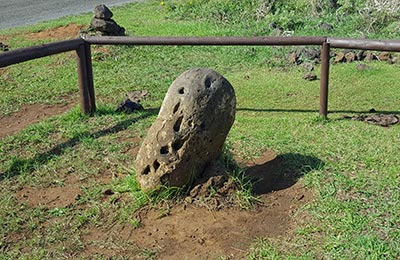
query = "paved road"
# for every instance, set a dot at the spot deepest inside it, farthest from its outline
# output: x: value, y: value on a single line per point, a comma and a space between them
x: 14, y: 13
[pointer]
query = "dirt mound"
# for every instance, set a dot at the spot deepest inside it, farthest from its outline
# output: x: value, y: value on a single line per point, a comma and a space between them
x: 189, y: 231
x: 59, y: 33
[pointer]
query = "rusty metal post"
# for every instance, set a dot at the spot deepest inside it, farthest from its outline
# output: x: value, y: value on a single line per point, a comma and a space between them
x: 323, y: 95
x: 85, y: 79
x: 90, y: 78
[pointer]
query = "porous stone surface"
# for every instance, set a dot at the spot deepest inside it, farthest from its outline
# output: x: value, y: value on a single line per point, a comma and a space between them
x: 102, y: 12
x: 189, y: 132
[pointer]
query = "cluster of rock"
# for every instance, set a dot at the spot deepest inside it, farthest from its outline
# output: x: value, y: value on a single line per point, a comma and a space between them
x: 351, y: 56
x: 384, y: 120
x: 132, y: 100
x: 103, y: 25
x: 307, y: 58
x: 305, y: 55
x: 189, y: 132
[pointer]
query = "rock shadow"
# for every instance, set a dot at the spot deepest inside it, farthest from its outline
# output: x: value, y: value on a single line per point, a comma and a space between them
x: 270, y: 173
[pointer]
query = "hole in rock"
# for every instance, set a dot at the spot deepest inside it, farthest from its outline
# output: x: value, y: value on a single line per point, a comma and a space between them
x: 181, y: 91
x: 146, y: 170
x: 156, y: 165
x: 207, y: 82
x: 191, y: 123
x: 176, y: 107
x: 164, y: 150
x: 177, y: 144
x: 177, y: 125
x: 202, y: 126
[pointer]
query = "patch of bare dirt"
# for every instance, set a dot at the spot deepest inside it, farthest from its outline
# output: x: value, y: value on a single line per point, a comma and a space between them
x: 187, y: 231
x: 30, y: 114
x: 59, y: 33
x: 59, y: 196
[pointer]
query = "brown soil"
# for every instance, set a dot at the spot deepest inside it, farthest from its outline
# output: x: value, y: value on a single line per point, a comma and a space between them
x: 60, y: 33
x: 187, y: 231
x: 190, y: 232
x: 61, y: 195
x: 30, y: 114
x: 182, y: 231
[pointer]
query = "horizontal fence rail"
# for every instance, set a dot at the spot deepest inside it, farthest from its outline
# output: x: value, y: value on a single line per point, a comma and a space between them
x: 35, y: 52
x: 363, y: 44
x: 235, y: 41
x: 84, y: 60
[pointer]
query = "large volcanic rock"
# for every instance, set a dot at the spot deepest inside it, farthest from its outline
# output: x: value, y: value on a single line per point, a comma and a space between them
x: 189, y: 132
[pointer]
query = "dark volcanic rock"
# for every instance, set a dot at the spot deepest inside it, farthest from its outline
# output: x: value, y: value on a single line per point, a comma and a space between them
x: 4, y: 47
x: 361, y: 55
x: 102, y: 12
x: 310, y: 76
x: 102, y: 23
x: 128, y: 106
x: 107, y: 27
x: 189, y: 132
x: 377, y: 119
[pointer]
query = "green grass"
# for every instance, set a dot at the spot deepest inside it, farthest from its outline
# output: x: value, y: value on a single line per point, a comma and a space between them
x: 354, y: 215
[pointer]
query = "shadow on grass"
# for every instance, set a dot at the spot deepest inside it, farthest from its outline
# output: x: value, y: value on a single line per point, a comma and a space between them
x: 281, y: 172
x: 19, y: 165
x: 312, y: 111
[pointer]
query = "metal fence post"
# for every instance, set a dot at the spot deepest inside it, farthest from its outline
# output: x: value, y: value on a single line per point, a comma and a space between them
x: 85, y: 79
x: 323, y: 96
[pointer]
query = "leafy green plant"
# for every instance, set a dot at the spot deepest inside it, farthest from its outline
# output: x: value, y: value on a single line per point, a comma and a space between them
x: 58, y: 212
